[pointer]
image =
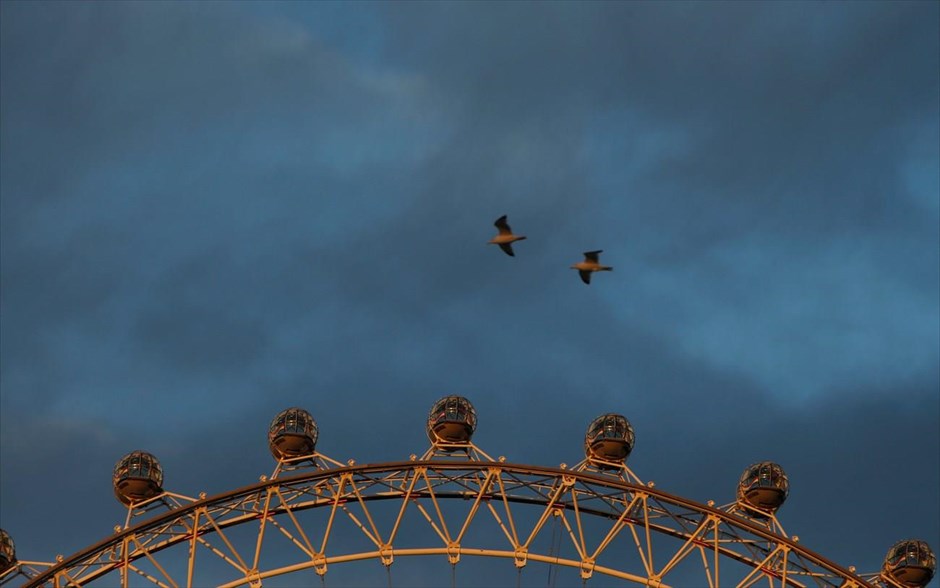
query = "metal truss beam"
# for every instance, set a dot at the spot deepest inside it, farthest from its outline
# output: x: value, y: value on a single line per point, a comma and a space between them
x: 628, y: 511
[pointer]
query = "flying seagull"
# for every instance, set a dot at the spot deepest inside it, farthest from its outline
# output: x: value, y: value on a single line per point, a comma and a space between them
x: 591, y: 264
x: 505, y: 238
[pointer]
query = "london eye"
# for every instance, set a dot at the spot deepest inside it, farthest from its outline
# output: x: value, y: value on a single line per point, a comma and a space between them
x: 595, y: 522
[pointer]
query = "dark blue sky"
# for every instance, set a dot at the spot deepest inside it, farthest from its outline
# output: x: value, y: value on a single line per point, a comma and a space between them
x: 213, y: 211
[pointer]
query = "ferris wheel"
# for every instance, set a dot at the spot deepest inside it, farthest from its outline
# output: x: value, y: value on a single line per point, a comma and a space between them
x: 594, y: 522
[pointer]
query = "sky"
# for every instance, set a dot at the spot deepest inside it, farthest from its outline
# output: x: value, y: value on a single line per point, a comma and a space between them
x: 210, y: 212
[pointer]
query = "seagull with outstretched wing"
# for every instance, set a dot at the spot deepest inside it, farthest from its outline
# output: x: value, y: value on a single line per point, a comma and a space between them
x: 590, y: 265
x: 505, y: 238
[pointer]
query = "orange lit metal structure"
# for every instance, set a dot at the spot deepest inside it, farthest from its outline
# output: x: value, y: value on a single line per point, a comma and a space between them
x: 454, y: 502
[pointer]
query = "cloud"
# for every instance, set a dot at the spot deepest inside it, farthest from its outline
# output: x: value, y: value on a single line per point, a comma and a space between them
x: 210, y: 213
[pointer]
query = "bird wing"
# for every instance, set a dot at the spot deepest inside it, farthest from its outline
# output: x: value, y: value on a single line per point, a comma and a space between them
x: 593, y: 256
x: 503, y: 226
x: 507, y: 247
x: 585, y: 276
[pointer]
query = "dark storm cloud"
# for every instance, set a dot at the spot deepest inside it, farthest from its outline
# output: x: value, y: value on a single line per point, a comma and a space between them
x: 683, y: 61
x: 192, y: 330
x: 209, y: 216
x: 209, y: 108
x: 780, y: 133
x: 51, y: 465
x: 55, y: 292
x: 793, y: 120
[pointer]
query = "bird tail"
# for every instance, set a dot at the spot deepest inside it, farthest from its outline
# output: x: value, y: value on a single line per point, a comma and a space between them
x: 606, y: 268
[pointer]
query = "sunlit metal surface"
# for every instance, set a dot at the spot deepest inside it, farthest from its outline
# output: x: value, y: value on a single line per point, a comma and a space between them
x: 455, y: 502
x: 609, y: 438
x: 662, y: 530
x: 137, y: 477
x: 7, y: 551
x: 452, y: 420
x: 292, y: 433
x: 910, y: 563
x: 764, y: 486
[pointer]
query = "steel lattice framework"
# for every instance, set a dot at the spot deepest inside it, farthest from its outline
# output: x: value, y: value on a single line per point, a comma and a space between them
x: 601, y: 523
